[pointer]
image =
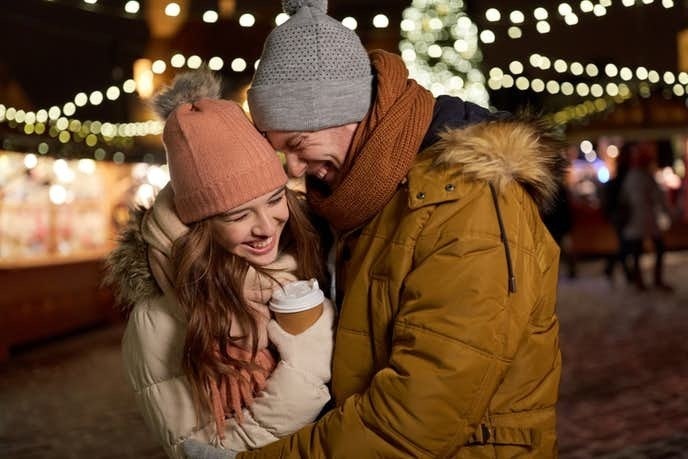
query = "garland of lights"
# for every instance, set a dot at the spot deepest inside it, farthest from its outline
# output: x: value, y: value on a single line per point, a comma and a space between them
x: 440, y: 49
x: 565, y: 10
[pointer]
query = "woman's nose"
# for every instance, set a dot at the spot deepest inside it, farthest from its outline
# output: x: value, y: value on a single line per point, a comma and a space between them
x: 264, y: 224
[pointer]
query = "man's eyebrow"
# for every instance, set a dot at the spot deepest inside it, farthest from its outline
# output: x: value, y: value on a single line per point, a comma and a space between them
x: 229, y: 213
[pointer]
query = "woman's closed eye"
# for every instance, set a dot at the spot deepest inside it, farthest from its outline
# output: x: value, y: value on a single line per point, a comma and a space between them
x: 235, y: 217
x: 277, y: 199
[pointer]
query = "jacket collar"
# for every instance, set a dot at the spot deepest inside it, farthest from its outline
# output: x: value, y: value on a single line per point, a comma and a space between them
x: 497, y: 152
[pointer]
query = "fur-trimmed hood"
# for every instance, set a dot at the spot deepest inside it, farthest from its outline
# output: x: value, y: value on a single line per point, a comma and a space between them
x: 128, y: 271
x: 502, y: 151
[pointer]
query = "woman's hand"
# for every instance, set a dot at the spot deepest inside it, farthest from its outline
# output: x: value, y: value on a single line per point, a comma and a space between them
x: 310, y: 351
x: 195, y: 449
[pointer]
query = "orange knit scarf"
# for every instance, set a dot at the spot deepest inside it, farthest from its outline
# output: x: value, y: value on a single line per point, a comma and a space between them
x: 231, y: 394
x: 383, y: 147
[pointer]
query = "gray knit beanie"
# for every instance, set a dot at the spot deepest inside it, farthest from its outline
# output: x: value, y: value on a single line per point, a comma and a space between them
x: 314, y: 73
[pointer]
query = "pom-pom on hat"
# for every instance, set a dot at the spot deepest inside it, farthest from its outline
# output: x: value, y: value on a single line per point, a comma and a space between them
x: 314, y: 73
x: 217, y: 158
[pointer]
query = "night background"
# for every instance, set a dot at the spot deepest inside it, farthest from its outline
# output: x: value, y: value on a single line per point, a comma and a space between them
x: 79, y: 146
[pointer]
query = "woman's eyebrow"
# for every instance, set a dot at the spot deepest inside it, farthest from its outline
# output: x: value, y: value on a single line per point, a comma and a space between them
x: 278, y: 192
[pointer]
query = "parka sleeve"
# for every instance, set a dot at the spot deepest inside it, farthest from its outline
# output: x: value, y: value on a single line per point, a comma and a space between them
x: 455, y: 334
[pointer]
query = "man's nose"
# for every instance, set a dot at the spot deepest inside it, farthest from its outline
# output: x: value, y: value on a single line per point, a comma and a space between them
x: 296, y: 167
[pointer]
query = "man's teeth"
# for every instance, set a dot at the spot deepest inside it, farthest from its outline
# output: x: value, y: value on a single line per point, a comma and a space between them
x: 322, y: 173
x: 261, y: 244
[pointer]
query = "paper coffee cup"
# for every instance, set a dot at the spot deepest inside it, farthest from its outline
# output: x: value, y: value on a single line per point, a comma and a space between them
x: 297, y: 305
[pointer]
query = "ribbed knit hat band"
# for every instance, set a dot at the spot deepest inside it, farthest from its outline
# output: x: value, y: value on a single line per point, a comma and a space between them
x: 217, y: 158
x: 314, y: 73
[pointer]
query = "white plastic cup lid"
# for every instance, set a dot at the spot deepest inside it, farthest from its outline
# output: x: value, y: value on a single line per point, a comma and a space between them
x: 297, y: 296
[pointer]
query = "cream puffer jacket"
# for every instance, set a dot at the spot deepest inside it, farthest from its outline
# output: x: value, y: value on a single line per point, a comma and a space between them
x: 153, y: 343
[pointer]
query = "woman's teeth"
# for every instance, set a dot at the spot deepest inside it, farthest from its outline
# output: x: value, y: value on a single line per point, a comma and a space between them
x: 261, y: 244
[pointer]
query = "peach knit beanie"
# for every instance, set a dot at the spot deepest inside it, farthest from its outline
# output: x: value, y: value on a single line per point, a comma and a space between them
x: 217, y: 158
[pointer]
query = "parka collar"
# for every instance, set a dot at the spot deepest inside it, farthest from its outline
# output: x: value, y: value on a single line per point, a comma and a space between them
x: 497, y: 152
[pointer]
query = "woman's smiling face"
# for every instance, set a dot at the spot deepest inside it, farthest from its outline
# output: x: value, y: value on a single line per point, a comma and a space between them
x: 252, y: 230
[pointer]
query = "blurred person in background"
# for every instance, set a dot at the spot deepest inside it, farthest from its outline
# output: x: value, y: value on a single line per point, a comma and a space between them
x: 648, y: 212
x: 617, y: 214
x: 446, y: 277
x: 198, y: 269
x: 559, y: 221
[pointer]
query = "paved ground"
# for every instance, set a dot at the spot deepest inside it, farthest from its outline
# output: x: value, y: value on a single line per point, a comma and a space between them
x: 624, y: 392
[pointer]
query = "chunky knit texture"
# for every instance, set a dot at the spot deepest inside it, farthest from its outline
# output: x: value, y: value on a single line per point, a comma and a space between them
x: 383, y: 147
x: 314, y: 73
x: 217, y: 158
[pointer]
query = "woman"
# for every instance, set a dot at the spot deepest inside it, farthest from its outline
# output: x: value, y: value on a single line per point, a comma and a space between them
x: 198, y: 268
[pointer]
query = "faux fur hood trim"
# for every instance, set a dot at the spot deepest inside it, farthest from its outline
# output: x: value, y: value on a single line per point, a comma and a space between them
x: 501, y: 151
x: 128, y: 272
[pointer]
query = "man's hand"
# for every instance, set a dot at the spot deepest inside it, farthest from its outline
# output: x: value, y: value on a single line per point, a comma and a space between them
x: 195, y: 449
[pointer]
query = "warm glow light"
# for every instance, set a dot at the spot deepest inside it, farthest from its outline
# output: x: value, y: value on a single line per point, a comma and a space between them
x: 159, y: 66
x: 612, y: 151
x: 173, y: 9
x: 210, y: 16
x: 129, y: 86
x: 238, y: 65
x: 487, y: 36
x: 350, y: 23
x: 95, y: 98
x: 215, y: 63
x: 380, y: 21
x: 493, y: 15
x: 87, y: 166
x: 515, y: 32
x: 540, y: 14
x: 112, y: 93
x: 178, y: 61
x: 143, y: 76
x: 542, y: 26
x: 144, y: 195
x: 132, y: 7
x: 517, y: 17
x: 194, y: 62
x: 586, y: 146
x: 281, y: 18
x: 247, y: 20
x: 69, y: 108
x: 30, y: 161
x: 57, y: 194
x: 81, y: 99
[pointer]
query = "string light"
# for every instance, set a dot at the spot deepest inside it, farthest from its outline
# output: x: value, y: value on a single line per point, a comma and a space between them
x: 210, y: 16
x: 564, y: 10
x: 172, y: 9
x: 611, y: 70
x: 132, y: 7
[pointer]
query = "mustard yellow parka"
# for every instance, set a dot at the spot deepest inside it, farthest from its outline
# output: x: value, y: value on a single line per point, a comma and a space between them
x: 447, y: 343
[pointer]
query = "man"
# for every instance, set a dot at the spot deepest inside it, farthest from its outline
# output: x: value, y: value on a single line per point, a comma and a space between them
x: 447, y: 341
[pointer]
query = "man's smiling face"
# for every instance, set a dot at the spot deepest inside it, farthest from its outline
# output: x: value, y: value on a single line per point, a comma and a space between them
x: 320, y: 154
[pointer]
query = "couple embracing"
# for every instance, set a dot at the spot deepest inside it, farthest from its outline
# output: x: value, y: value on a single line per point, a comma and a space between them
x: 438, y: 336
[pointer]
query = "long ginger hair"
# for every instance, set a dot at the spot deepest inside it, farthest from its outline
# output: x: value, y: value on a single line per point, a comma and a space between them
x: 209, y: 285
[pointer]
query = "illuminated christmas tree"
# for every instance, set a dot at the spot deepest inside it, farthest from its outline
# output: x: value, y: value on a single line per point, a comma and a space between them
x: 440, y: 48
